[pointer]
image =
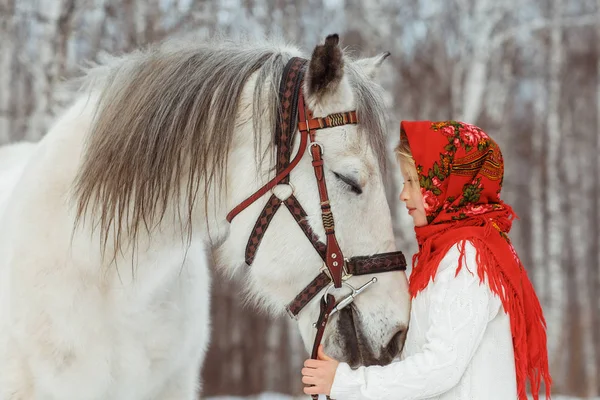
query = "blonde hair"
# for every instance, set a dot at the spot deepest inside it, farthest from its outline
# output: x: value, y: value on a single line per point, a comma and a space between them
x: 405, y: 157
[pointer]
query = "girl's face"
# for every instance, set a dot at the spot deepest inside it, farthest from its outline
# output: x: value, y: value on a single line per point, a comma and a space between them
x: 411, y: 194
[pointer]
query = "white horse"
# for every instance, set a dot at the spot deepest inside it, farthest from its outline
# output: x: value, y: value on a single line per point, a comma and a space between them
x: 106, y: 237
x: 13, y: 158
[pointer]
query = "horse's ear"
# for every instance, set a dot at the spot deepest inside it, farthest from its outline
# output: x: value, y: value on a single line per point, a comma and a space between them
x: 326, y: 68
x: 371, y: 66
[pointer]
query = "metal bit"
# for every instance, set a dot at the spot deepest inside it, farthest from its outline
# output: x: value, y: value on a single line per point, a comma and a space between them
x: 350, y: 298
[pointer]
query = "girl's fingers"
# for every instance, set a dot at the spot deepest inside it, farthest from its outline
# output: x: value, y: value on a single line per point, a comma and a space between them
x: 310, y: 380
x: 313, y: 363
x: 313, y: 390
x: 309, y: 372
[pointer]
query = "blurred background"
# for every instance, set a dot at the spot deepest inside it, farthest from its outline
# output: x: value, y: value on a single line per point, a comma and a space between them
x: 526, y: 71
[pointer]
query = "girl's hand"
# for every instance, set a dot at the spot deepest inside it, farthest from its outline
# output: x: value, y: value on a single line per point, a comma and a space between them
x: 319, y: 373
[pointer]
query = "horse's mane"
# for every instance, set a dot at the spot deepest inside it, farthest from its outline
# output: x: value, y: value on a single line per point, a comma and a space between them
x: 165, y: 122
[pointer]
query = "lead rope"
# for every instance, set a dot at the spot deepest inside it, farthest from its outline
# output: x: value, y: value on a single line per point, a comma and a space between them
x: 327, y: 305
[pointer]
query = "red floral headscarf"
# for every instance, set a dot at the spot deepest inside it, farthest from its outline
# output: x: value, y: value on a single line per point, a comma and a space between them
x: 460, y: 171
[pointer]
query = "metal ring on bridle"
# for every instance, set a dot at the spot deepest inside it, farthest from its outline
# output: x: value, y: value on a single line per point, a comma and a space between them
x: 343, y: 283
x: 280, y: 186
x: 285, y: 184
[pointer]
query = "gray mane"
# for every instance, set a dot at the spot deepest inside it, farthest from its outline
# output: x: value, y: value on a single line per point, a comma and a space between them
x: 165, y: 122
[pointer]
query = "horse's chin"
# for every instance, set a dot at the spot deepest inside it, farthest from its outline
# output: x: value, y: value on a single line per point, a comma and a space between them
x: 356, y: 348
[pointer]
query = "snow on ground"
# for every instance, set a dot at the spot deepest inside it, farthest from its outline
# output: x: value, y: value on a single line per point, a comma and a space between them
x: 277, y: 396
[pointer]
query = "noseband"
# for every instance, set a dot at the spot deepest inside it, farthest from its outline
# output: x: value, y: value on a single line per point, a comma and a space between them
x: 336, y: 269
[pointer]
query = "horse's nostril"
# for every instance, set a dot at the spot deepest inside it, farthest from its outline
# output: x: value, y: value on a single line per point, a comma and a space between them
x: 396, y: 344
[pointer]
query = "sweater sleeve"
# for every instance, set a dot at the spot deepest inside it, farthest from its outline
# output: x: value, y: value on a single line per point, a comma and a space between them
x: 458, y: 316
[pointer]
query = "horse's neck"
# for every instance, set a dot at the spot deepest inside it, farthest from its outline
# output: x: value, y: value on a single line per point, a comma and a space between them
x: 47, y: 188
x: 13, y: 159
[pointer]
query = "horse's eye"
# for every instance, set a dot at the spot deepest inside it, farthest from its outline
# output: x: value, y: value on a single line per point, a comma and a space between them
x: 351, y: 183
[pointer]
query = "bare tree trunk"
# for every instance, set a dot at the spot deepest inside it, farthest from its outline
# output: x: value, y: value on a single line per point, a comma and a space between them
x: 483, y: 17
x: 595, y: 266
x: 570, y: 380
x: 249, y: 353
x: 585, y: 266
x: 7, y: 58
x: 582, y: 378
x: 456, y: 90
x: 538, y: 223
x: 554, y: 214
x: 52, y: 30
x: 475, y: 84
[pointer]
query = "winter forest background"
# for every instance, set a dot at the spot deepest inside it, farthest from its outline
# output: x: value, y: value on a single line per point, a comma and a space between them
x: 526, y: 71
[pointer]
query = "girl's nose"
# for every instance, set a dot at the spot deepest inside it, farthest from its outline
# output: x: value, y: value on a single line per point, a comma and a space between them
x: 403, y: 195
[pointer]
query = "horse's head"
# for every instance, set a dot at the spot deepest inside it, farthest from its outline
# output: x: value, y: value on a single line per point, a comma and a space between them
x: 178, y: 141
x: 371, y: 330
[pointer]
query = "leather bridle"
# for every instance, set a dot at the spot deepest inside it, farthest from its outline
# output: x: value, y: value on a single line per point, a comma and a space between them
x: 296, y: 116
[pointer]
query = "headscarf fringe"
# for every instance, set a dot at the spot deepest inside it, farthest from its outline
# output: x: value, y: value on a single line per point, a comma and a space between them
x: 518, y: 301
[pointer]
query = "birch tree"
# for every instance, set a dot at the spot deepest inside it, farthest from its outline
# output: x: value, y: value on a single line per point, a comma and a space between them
x: 596, y: 221
x: 554, y: 204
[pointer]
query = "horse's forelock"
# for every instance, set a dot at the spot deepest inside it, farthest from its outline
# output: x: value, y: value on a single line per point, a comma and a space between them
x: 371, y: 112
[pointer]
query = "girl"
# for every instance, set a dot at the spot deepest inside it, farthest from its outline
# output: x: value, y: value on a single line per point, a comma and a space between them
x: 476, y: 328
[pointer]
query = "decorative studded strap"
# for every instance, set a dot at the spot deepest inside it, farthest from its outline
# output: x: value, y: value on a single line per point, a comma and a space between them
x: 285, y: 127
x: 307, y: 294
x: 382, y: 262
x: 262, y: 223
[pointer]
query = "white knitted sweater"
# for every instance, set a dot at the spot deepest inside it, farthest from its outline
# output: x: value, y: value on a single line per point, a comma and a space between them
x: 458, y: 347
